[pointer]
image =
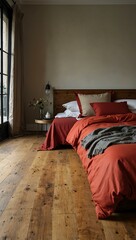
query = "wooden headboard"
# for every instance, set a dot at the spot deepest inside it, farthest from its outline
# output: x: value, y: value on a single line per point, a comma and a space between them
x: 61, y: 96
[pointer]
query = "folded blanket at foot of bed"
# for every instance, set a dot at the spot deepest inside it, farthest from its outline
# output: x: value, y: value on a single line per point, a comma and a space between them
x: 97, y: 141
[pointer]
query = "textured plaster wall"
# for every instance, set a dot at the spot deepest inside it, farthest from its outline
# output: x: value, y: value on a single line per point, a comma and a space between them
x: 78, y: 47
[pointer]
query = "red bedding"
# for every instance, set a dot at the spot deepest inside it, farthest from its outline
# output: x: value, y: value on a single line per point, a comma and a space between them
x: 56, y: 136
x: 112, y: 174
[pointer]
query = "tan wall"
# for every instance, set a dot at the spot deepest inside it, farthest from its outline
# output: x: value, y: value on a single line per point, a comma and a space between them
x: 78, y: 47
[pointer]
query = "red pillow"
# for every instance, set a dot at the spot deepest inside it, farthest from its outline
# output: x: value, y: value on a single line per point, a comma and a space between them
x: 109, y: 108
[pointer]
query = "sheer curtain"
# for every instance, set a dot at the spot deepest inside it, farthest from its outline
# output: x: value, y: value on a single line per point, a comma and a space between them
x: 16, y: 99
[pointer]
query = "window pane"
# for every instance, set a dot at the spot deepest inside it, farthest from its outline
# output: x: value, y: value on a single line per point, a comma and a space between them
x: 5, y: 33
x: 5, y: 63
x: 0, y: 27
x: 0, y: 59
x: 5, y: 108
x: 5, y: 84
x: 0, y: 83
x: 5, y: 44
x: 0, y: 108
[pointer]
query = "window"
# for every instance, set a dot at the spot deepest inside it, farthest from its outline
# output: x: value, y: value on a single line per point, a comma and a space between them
x: 5, y: 57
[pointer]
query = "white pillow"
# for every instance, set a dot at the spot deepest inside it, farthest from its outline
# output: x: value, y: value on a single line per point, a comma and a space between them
x: 72, y: 106
x: 71, y: 114
x: 130, y: 102
x: 60, y: 115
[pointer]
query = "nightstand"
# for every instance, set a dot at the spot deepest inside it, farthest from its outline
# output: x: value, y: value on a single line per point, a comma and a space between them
x: 44, y: 122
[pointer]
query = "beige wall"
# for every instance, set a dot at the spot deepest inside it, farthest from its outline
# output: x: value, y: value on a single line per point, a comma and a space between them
x: 78, y: 47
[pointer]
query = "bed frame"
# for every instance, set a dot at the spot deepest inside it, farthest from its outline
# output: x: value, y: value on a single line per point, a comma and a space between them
x: 65, y: 95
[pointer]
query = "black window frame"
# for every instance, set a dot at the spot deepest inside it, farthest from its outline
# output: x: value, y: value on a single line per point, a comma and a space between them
x: 6, y: 9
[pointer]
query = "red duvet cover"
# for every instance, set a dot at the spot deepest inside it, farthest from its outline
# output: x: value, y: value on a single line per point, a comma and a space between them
x: 112, y: 174
x: 58, y: 131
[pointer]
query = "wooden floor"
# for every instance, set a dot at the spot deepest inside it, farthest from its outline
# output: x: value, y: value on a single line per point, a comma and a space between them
x: 44, y: 195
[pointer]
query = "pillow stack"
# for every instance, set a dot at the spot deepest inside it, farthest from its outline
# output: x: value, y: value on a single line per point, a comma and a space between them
x: 84, y: 101
x: 97, y: 104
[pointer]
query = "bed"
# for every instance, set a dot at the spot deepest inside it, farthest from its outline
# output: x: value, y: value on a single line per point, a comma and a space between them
x: 112, y: 171
x: 56, y: 136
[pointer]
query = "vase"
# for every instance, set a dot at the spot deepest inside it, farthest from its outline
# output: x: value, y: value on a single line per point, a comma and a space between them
x: 48, y: 115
